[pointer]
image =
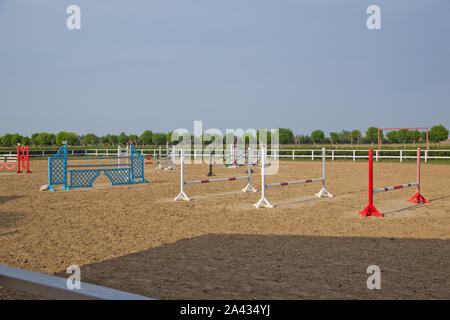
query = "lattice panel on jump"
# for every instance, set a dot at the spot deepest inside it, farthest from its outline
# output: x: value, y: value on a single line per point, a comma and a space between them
x: 57, y: 167
x: 83, y: 178
x: 118, y: 176
x: 137, y: 163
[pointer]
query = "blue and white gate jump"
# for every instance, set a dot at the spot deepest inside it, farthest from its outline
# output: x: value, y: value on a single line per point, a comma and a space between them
x: 123, y: 173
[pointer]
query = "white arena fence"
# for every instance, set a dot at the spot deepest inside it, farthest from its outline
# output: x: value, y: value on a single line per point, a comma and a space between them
x: 56, y: 287
x: 282, y: 154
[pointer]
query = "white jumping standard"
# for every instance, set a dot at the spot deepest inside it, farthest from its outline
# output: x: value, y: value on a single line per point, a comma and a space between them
x: 183, y: 196
x: 170, y: 159
x: 263, y: 202
x: 123, y: 156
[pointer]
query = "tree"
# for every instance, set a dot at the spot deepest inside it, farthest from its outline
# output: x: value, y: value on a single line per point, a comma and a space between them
x: 334, y: 136
x: 146, y: 137
x: 15, y: 139
x: 33, y: 138
x: 355, y: 135
x: 423, y: 136
x: 45, y: 139
x: 264, y: 136
x: 70, y: 137
x: 229, y: 137
x: 159, y: 138
x: 104, y: 140
x: 25, y: 141
x: 403, y: 135
x: 6, y: 140
x: 113, y: 139
x: 414, y: 136
x: 169, y: 138
x: 438, y: 133
x: 123, y: 138
x: 344, y: 136
x: 133, y: 138
x: 372, y: 134
x: 248, y: 136
x: 317, y: 136
x: 285, y: 136
x: 392, y: 136
x: 90, y: 139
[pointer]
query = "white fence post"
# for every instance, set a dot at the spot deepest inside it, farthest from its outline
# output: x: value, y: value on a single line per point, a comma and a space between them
x: 376, y: 155
x: 293, y: 157
x: 332, y: 155
x: 401, y: 156
x: 354, y: 155
x: 312, y: 155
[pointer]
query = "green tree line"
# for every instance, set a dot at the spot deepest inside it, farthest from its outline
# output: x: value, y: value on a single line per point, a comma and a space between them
x: 286, y: 136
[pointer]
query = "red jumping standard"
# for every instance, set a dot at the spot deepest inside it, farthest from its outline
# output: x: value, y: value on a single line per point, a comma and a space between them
x: 370, y: 210
x: 21, y: 160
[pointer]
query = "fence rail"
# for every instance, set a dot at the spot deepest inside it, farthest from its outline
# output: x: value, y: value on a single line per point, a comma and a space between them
x: 282, y: 154
x: 56, y: 288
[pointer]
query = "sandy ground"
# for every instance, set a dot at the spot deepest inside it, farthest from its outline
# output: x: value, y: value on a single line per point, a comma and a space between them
x: 218, y: 246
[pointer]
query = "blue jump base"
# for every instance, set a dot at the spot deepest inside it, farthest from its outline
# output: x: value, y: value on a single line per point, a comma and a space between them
x: 84, y: 178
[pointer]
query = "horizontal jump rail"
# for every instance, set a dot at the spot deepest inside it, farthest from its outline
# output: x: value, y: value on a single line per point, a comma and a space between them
x: 396, y: 187
x: 98, y: 165
x: 98, y: 158
x: 215, y: 180
x: 292, y: 182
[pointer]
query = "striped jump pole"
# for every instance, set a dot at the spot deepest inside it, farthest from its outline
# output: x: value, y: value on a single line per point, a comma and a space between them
x: 370, y: 210
x: 96, y: 158
x: 263, y: 202
x: 97, y: 165
x: 183, y: 196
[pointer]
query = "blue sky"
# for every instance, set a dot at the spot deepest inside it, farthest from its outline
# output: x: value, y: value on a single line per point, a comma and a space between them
x: 161, y: 64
